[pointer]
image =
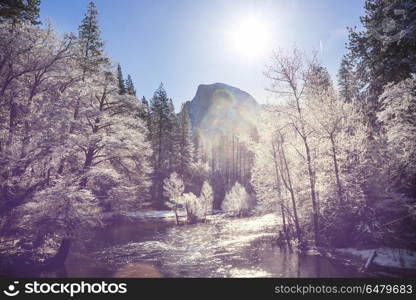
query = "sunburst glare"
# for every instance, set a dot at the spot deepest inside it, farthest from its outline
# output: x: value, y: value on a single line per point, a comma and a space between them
x: 250, y: 37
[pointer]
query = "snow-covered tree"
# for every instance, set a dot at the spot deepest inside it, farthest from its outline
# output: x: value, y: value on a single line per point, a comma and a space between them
x: 174, y: 187
x: 272, y: 175
x: 290, y: 75
x: 62, y: 208
x: 207, y: 196
x: 33, y: 86
x: 67, y: 150
x: 130, y: 86
x: 195, y: 208
x: 398, y: 120
x: 237, y: 201
x: 120, y: 80
x: 348, y: 81
x: 326, y: 114
x: 144, y: 114
x: 183, y: 144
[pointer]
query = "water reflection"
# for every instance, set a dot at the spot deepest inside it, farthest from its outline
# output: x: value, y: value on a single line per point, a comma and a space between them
x: 220, y: 248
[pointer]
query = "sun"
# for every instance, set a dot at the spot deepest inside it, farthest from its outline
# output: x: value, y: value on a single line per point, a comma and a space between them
x: 250, y: 37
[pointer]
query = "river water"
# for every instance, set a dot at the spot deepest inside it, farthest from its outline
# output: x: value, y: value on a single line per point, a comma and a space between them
x: 240, y: 247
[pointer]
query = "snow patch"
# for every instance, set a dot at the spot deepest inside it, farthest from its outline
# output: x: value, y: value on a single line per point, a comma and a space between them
x: 155, y: 214
x: 386, y: 257
x: 249, y: 273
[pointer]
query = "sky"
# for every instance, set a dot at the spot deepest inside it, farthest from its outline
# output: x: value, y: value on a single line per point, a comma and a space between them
x: 184, y: 43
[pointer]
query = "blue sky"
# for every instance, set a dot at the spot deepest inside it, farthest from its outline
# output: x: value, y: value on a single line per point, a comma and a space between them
x: 184, y: 43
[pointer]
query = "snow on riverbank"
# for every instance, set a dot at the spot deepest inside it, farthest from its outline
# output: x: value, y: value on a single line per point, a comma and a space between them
x: 161, y: 214
x: 148, y: 215
x: 155, y: 214
x: 386, y: 257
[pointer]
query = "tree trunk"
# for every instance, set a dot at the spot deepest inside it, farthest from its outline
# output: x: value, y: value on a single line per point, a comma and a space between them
x: 282, y: 208
x: 12, y: 116
x: 279, y: 191
x: 89, y: 156
x: 59, y: 259
x: 176, y: 214
x: 334, y: 157
x: 289, y: 186
x: 313, y: 193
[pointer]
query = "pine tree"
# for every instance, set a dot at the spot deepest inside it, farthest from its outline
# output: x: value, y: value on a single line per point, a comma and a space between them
x: 318, y: 78
x: 174, y: 142
x: 145, y: 116
x: 384, y: 54
x: 20, y: 10
x: 121, y: 85
x: 130, y: 86
x: 92, y: 47
x: 144, y: 101
x: 185, y: 145
x: 144, y: 111
x: 346, y: 81
x: 161, y: 138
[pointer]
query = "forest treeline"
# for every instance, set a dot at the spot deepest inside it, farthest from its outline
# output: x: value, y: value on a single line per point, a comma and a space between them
x: 336, y: 161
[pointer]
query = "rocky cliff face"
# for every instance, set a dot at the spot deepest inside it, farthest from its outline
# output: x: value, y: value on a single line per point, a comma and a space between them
x: 220, y: 108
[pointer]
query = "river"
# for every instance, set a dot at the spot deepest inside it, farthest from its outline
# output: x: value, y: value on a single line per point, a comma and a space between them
x: 222, y: 247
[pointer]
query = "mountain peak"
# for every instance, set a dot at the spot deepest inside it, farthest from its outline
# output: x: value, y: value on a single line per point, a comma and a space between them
x: 220, y: 107
x: 236, y: 92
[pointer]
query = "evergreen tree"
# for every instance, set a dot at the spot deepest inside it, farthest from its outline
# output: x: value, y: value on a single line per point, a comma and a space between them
x: 144, y: 114
x: 144, y: 101
x: 185, y: 145
x: 121, y: 85
x: 174, y: 140
x: 20, y: 10
x: 130, y: 86
x: 385, y: 51
x: 346, y: 81
x: 318, y: 78
x: 92, y: 47
x: 160, y: 135
x: 145, y: 110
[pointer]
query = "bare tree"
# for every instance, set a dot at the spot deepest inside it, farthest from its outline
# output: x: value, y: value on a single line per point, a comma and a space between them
x: 285, y: 175
x: 288, y: 75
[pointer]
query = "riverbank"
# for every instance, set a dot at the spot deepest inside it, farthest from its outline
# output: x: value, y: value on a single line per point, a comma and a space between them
x: 380, y: 262
x: 167, y: 216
